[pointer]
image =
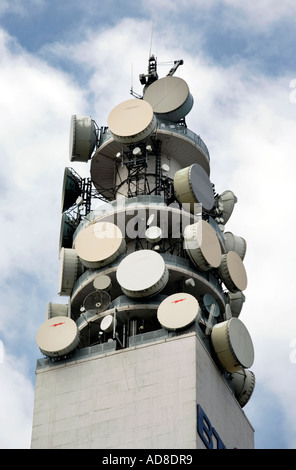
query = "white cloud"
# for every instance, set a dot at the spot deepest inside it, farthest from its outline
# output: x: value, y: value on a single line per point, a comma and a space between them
x: 17, y: 398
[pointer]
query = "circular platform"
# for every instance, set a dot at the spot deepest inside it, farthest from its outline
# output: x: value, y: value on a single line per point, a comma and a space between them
x: 177, y: 143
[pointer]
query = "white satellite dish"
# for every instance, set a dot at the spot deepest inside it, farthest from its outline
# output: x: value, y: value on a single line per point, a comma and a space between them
x: 244, y: 384
x: 108, y: 323
x: 235, y: 243
x: 170, y: 98
x: 82, y: 138
x: 132, y: 121
x: 153, y: 234
x: 178, y: 311
x: 102, y: 283
x: 192, y: 186
x: 202, y: 245
x: 70, y: 269
x: 232, y: 272
x: 99, y: 244
x: 233, y: 345
x: 142, y: 274
x: 57, y: 337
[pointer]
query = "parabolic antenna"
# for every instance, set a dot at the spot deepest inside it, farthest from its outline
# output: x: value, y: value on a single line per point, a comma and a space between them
x: 244, y: 384
x: 82, y: 138
x: 67, y: 230
x: 107, y: 324
x: 98, y: 301
x: 99, y: 244
x: 71, y: 188
x: 69, y: 271
x: 170, y: 98
x: 57, y: 336
x: 132, y: 121
x: 228, y: 201
x: 235, y: 243
x: 153, y: 234
x: 178, y: 311
x: 102, y: 282
x: 232, y: 272
x: 142, y: 273
x: 202, y: 245
x: 211, y: 305
x: 236, y: 301
x: 192, y: 185
x: 56, y: 310
x: 233, y: 345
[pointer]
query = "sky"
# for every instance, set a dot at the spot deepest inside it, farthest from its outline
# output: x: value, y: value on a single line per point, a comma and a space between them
x: 63, y: 58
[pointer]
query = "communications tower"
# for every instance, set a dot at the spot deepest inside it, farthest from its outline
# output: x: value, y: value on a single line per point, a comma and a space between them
x: 148, y: 350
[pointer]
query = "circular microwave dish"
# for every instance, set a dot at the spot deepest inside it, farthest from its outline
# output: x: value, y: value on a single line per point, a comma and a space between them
x: 57, y: 336
x: 244, y: 384
x: 235, y: 243
x: 99, y: 244
x: 193, y: 186
x: 170, y: 98
x: 202, y: 244
x: 132, y: 121
x: 232, y: 272
x: 178, y: 311
x: 142, y: 273
x: 233, y: 345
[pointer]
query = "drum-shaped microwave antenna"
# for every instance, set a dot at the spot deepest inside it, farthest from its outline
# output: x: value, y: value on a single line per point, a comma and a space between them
x: 108, y: 323
x: 57, y: 336
x: 82, y: 138
x: 69, y: 270
x: 153, y: 234
x: 57, y: 310
x: 99, y: 244
x: 142, y: 274
x: 227, y: 200
x: 235, y: 243
x: 97, y: 300
x: 68, y: 227
x: 236, y: 301
x: 232, y: 272
x: 170, y: 98
x: 132, y: 121
x: 244, y: 384
x: 178, y: 311
x: 192, y: 185
x: 71, y: 188
x: 202, y: 245
x: 102, y: 282
x: 233, y: 345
